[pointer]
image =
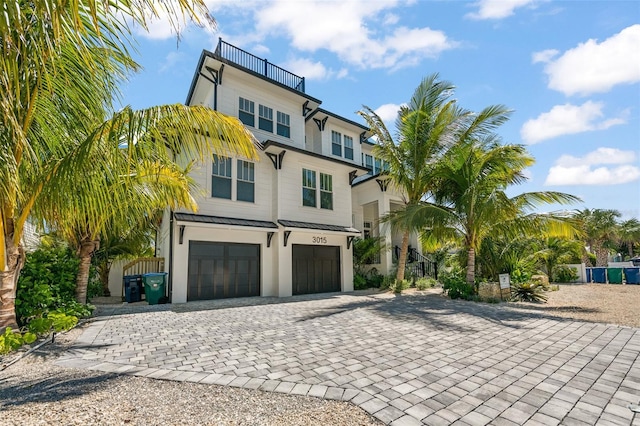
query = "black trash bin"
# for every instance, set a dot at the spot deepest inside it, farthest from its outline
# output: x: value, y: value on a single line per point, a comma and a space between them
x: 132, y: 285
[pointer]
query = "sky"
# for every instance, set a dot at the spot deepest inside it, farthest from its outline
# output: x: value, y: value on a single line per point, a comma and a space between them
x: 569, y: 70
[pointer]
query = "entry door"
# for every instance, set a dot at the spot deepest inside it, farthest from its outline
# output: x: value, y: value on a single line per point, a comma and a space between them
x: 223, y: 270
x: 316, y: 269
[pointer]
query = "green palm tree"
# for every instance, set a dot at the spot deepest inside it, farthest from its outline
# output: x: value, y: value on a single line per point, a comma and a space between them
x: 423, y: 131
x: 554, y: 251
x: 601, y: 230
x: 629, y: 234
x: 470, y: 199
x: 61, y: 65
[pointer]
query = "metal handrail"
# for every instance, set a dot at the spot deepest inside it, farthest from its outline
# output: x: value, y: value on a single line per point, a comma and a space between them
x: 258, y: 65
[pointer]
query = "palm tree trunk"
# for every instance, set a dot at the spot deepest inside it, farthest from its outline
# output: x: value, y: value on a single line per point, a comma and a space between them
x: 471, y: 266
x: 630, y: 248
x: 402, y: 258
x: 103, y: 271
x: 602, y: 255
x: 9, y: 281
x: 87, y: 248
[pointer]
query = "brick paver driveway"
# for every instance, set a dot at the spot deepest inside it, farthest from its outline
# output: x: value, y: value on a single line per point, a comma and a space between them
x: 406, y: 360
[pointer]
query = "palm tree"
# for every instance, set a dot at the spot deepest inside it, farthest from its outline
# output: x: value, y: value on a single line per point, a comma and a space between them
x: 553, y: 251
x: 629, y: 234
x: 61, y: 65
x: 601, y: 230
x: 470, y: 199
x: 423, y: 131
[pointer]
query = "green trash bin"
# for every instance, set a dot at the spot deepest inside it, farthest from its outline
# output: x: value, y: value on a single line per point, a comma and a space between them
x: 614, y: 275
x: 154, y: 286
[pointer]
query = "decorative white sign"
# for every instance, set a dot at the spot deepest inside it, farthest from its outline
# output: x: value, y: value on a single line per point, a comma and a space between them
x: 505, y: 281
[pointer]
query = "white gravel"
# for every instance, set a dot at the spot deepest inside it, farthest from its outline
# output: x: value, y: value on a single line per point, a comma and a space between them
x: 35, y: 391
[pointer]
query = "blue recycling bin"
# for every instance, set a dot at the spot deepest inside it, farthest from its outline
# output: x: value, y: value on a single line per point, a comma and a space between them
x: 632, y: 275
x: 589, y: 278
x: 599, y: 275
x: 132, y: 285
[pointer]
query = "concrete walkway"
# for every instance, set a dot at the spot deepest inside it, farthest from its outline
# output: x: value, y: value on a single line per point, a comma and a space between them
x: 407, y: 360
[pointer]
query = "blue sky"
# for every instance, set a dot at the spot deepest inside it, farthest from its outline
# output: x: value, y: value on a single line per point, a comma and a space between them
x: 570, y: 70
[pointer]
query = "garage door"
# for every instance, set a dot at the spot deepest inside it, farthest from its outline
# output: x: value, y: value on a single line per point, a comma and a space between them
x: 222, y: 270
x: 316, y: 269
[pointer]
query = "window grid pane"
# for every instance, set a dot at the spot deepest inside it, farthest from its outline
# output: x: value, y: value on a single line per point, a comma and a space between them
x: 348, y: 147
x: 326, y: 191
x: 221, y: 166
x: 283, y: 128
x: 336, y: 143
x: 246, y: 112
x: 308, y: 188
x: 368, y: 163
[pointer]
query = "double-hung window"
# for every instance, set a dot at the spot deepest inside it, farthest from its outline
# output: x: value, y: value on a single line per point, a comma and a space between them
x: 246, y: 181
x: 308, y: 188
x: 221, y: 177
x: 336, y: 143
x: 326, y: 191
x: 265, y: 118
x: 368, y: 163
x: 348, y: 147
x: 246, y: 112
x: 283, y: 127
x: 378, y: 166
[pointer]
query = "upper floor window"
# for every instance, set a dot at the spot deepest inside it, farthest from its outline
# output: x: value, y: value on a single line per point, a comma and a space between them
x: 336, y: 143
x: 348, y: 147
x: 326, y: 191
x: 378, y: 166
x: 308, y: 188
x: 368, y: 162
x: 246, y: 181
x: 265, y: 118
x: 283, y: 126
x: 221, y: 177
x: 246, y: 112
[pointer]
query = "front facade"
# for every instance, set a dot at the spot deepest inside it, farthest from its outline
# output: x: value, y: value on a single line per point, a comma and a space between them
x: 282, y: 225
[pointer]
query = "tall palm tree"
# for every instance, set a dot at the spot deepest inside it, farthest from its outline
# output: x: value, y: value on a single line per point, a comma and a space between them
x: 470, y: 199
x: 629, y: 234
x: 61, y: 65
x: 423, y: 131
x: 601, y: 230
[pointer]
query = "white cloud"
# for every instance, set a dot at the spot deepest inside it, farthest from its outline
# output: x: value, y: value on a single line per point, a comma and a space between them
x: 349, y: 29
x: 593, y: 67
x: 567, y: 119
x: 570, y: 170
x: 544, y: 56
x: 497, y: 9
x: 388, y: 112
x: 313, y: 70
x: 171, y: 60
x: 599, y: 156
x: 585, y: 175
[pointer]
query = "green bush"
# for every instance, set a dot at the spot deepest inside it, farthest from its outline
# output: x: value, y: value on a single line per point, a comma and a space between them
x: 455, y: 285
x: 47, y: 282
x: 359, y: 282
x: 425, y: 283
x: 564, y: 274
x: 528, y: 292
x: 400, y: 286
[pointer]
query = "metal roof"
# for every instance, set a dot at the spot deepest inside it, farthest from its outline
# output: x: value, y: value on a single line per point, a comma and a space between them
x: 318, y: 226
x: 218, y: 220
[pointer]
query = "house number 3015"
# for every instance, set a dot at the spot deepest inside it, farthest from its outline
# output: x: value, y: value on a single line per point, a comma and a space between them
x: 319, y: 240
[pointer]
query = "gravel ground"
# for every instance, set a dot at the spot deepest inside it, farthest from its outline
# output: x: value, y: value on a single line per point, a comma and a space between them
x: 605, y: 303
x: 34, y: 391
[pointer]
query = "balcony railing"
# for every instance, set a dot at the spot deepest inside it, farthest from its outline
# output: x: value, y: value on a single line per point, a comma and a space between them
x: 258, y: 65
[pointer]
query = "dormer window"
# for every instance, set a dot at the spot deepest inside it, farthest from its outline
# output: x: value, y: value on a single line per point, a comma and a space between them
x: 246, y: 112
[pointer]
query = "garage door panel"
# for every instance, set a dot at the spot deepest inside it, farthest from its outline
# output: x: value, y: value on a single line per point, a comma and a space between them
x: 316, y: 269
x: 223, y: 270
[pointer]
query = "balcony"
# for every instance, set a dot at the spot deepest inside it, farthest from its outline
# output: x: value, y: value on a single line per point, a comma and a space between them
x: 259, y: 66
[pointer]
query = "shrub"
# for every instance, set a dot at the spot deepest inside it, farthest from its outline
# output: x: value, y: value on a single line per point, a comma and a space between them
x: 527, y: 292
x: 12, y: 340
x: 359, y: 282
x: 564, y: 274
x: 425, y: 283
x: 399, y: 286
x: 455, y: 285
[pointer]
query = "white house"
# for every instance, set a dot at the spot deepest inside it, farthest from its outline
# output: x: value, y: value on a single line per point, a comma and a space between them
x: 282, y: 225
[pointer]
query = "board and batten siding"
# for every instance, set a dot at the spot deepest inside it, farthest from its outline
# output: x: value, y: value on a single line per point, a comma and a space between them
x: 260, y: 209
x: 290, y: 197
